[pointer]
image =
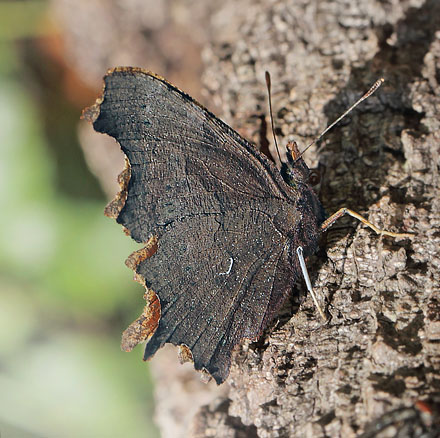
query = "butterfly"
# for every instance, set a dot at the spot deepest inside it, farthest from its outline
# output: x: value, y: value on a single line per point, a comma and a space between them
x: 220, y: 224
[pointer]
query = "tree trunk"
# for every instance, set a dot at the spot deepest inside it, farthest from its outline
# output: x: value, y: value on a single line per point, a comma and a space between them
x: 380, y: 351
x: 376, y: 363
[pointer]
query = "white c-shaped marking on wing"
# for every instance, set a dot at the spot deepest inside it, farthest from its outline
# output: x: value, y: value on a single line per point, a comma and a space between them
x: 231, y: 262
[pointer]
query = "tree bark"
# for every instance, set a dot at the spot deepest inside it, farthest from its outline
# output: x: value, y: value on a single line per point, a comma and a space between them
x: 380, y: 351
x: 376, y: 363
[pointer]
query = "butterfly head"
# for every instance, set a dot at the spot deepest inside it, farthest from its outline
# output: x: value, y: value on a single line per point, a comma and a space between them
x: 295, y: 170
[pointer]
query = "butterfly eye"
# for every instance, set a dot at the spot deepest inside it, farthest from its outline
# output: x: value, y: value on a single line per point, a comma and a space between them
x: 314, y: 178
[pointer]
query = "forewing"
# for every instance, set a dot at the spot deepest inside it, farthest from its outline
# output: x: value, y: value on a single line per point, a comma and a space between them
x: 183, y: 159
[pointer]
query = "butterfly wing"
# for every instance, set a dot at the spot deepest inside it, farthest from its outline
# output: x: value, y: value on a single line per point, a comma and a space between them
x: 222, y: 216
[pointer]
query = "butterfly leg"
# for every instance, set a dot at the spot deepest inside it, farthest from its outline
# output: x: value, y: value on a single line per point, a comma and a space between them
x: 342, y: 211
x: 302, y: 263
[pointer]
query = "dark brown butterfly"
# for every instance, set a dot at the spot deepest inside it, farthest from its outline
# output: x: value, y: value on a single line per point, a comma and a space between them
x: 219, y: 222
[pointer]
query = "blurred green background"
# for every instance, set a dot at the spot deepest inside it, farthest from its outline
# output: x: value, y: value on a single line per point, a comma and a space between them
x: 65, y: 293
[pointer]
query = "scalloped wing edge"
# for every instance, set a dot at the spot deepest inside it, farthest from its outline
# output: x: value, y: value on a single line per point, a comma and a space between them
x: 143, y: 328
x: 115, y: 206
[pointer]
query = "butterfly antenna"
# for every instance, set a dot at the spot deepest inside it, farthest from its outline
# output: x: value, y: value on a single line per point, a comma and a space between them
x: 269, y: 94
x: 375, y: 86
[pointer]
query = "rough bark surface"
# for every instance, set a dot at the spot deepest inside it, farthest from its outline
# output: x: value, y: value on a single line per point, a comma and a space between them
x: 380, y: 352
